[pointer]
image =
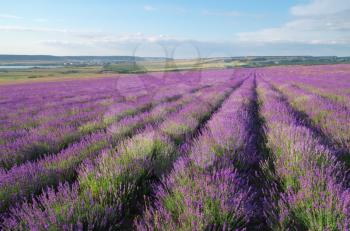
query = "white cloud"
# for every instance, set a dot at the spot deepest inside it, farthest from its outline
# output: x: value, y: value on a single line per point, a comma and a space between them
x: 320, y: 7
x: 9, y: 16
x: 157, y: 45
x: 171, y: 47
x: 109, y: 44
x: 64, y: 43
x: 91, y: 36
x: 126, y: 37
x: 313, y: 30
x: 149, y: 8
x: 112, y: 40
x: 318, y: 22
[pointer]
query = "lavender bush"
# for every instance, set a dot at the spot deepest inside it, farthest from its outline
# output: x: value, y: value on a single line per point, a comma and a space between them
x: 233, y: 149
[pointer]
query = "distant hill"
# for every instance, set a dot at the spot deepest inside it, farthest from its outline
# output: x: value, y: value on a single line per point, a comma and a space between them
x: 59, y: 60
x: 109, y: 61
x: 27, y: 58
x: 262, y: 61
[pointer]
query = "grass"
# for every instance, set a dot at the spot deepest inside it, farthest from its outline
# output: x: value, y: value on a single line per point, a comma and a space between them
x: 9, y: 76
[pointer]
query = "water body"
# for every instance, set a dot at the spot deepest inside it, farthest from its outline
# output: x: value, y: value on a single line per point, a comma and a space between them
x: 26, y: 67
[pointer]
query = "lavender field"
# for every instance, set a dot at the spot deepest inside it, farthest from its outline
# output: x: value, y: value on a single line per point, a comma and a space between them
x: 226, y: 149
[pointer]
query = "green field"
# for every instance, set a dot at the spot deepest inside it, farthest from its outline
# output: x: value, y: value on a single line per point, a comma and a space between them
x: 66, y: 72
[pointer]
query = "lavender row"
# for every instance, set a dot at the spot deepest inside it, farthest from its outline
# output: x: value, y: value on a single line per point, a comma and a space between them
x: 57, y: 127
x: 33, y: 98
x: 44, y: 98
x: 332, y: 120
x: 329, y: 91
x: 108, y: 188
x: 36, y: 106
x: 330, y: 82
x: 327, y: 94
x: 53, y: 138
x: 205, y: 191
x: 308, y: 185
x: 30, y: 178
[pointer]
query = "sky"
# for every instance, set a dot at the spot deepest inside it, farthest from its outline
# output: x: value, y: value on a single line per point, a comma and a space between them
x: 175, y: 29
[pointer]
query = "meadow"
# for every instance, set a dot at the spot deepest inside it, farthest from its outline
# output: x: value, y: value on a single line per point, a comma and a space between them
x: 261, y: 148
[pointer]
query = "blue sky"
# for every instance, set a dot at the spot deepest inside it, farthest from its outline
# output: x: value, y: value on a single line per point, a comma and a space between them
x: 178, y: 29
